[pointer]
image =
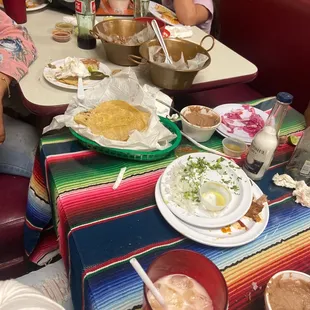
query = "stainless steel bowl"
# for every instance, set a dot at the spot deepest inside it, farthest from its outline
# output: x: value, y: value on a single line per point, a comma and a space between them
x: 170, y: 78
x: 118, y: 53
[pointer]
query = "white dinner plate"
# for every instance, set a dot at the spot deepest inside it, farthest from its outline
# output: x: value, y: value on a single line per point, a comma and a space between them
x: 238, y: 133
x: 240, y: 199
x: 215, y: 237
x: 48, y: 73
x: 154, y: 8
x: 39, y: 7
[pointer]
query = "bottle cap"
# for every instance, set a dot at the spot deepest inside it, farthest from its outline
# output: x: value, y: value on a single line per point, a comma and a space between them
x: 285, y: 97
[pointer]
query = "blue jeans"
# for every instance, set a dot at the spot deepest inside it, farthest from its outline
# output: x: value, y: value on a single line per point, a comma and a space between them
x: 19, y: 148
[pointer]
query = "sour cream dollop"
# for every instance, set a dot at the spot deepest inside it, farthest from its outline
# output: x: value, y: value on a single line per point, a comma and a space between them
x: 73, y: 67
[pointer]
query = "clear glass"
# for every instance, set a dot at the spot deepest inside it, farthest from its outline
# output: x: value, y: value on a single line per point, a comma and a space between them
x: 86, y: 21
x: 299, y: 165
x: 141, y: 8
x: 195, y: 266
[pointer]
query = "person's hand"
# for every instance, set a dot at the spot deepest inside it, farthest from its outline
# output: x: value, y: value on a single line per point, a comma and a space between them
x: 4, y: 82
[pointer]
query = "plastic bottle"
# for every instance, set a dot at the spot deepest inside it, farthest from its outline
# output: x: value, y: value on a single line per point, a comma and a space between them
x: 266, y: 141
x: 299, y: 165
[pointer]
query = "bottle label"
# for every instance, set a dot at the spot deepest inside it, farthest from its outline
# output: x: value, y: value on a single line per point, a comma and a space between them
x: 257, y: 158
x: 253, y: 166
x: 93, y: 7
x: 80, y: 7
x: 305, y: 170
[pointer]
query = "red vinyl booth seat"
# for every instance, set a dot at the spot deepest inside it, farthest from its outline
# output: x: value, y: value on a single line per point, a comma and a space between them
x: 13, y: 200
x: 274, y: 35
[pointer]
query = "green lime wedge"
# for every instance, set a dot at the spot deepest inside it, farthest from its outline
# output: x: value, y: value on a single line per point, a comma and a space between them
x: 293, y: 140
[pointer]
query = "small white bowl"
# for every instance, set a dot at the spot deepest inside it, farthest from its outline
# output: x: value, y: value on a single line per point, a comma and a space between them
x: 200, y: 134
x: 287, y: 274
x: 228, y: 143
x: 215, y: 187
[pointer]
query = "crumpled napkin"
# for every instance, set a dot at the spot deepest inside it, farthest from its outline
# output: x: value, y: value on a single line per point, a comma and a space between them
x: 284, y: 180
x: 144, y: 35
x: 180, y: 31
x: 301, y: 192
x: 157, y: 56
x: 121, y: 86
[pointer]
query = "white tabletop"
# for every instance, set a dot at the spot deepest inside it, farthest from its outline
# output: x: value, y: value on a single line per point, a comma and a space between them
x: 226, y: 66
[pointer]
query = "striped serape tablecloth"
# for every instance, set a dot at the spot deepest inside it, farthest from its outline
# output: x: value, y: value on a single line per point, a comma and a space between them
x: 99, y: 229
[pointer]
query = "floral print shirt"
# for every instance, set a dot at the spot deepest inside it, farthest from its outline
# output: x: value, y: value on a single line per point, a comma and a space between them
x: 17, y: 51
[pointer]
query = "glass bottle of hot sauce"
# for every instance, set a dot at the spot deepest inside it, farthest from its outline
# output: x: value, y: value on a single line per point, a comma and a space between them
x: 86, y: 14
x: 266, y: 141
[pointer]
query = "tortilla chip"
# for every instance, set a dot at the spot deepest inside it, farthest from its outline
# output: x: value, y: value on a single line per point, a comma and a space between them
x: 72, y: 80
x: 256, y: 208
x: 91, y: 64
x: 170, y: 18
x: 114, y: 120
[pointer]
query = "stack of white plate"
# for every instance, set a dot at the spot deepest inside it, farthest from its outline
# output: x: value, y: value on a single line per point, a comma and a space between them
x: 238, y: 133
x: 200, y: 226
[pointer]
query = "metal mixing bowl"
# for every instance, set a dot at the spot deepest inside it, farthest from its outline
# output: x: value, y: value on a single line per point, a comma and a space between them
x: 118, y: 53
x: 170, y: 78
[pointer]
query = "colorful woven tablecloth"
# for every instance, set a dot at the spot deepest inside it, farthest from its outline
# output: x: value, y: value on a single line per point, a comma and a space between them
x: 99, y: 229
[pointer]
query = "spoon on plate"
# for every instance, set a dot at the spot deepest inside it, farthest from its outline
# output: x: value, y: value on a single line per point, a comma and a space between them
x: 80, y: 90
x: 161, y: 41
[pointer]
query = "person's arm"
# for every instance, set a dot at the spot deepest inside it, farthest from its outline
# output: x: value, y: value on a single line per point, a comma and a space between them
x: 191, y: 13
x: 307, y: 116
x: 4, y: 82
x: 17, y: 52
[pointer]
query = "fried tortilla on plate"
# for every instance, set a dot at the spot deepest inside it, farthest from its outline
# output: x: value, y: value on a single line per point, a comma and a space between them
x: 90, y: 64
x: 114, y: 120
x: 71, y: 80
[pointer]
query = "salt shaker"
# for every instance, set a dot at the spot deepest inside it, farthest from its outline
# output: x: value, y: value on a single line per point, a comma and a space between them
x: 299, y: 165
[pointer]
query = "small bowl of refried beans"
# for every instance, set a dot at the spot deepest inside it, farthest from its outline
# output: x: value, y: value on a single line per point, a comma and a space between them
x: 199, y: 122
x: 288, y: 290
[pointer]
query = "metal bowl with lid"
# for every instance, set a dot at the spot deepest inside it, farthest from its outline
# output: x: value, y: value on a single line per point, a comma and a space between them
x: 167, y: 77
x: 124, y: 28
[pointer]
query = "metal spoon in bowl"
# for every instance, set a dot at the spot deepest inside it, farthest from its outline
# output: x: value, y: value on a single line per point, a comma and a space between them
x: 161, y: 41
x: 172, y: 108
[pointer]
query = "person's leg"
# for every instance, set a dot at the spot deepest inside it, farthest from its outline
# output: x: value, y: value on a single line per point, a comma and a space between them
x: 18, y: 150
x: 52, y: 282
